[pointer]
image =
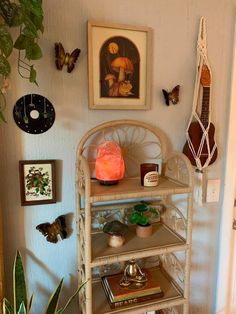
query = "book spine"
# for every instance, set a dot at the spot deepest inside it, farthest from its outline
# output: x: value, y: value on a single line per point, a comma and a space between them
x: 135, y: 300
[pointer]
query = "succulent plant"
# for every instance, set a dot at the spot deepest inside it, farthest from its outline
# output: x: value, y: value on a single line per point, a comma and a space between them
x: 143, y: 213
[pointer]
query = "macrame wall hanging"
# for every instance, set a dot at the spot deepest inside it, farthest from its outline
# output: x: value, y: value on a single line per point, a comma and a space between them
x: 200, y: 146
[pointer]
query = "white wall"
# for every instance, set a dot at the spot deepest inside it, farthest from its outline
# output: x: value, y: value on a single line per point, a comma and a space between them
x: 175, y: 24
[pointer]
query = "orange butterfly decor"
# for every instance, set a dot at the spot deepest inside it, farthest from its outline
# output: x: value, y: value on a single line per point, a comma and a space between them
x: 172, y: 96
x: 66, y: 59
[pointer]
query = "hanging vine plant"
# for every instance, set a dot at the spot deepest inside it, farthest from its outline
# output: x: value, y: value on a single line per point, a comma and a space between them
x: 27, y: 15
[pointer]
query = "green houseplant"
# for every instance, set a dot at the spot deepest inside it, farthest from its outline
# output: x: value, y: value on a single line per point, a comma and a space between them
x: 27, y: 16
x: 21, y: 305
x: 142, y: 215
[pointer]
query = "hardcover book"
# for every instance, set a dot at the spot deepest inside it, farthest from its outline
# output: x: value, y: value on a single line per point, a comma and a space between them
x: 120, y: 296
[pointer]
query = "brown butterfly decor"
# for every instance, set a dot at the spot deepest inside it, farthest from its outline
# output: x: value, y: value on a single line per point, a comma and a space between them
x: 55, y: 231
x: 66, y: 59
x: 172, y: 96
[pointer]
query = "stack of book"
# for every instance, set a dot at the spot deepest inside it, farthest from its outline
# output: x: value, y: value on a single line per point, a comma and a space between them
x: 120, y: 296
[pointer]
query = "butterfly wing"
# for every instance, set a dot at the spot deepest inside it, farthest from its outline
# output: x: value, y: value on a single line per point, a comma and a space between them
x: 60, y: 223
x: 47, y: 230
x: 174, y: 95
x: 60, y: 56
x: 72, y: 60
x: 166, y: 97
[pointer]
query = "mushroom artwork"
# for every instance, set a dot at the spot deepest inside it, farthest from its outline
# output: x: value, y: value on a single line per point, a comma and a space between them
x: 119, y: 68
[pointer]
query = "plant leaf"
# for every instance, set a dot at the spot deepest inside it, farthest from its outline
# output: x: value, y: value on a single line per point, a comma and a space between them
x: 5, y: 68
x: 33, y: 52
x: 20, y: 294
x: 141, y: 207
x: 34, y: 6
x: 7, y: 11
x: 17, y: 16
x: 22, y: 42
x: 143, y: 220
x: 33, y: 75
x: 7, y: 307
x: 60, y: 311
x: 53, y: 301
x: 6, y: 42
x: 134, y: 218
x: 22, y: 309
x: 30, y: 303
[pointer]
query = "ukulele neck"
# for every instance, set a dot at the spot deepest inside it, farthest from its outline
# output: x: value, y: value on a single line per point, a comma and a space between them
x: 205, y: 106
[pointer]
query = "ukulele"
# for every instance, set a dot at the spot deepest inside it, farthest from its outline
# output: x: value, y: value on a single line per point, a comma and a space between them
x: 195, y: 130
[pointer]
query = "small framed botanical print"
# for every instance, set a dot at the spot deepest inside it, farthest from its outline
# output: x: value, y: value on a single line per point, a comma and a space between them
x: 37, y: 182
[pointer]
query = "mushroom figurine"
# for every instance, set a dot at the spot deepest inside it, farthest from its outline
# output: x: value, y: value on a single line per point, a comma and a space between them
x: 122, y: 65
x: 116, y: 231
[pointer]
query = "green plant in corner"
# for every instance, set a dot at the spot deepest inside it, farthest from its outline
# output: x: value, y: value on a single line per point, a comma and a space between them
x: 27, y: 16
x: 21, y: 305
x: 143, y: 213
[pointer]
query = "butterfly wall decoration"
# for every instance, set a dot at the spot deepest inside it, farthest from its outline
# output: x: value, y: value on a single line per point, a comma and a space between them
x: 65, y: 58
x: 172, y: 96
x: 54, y: 231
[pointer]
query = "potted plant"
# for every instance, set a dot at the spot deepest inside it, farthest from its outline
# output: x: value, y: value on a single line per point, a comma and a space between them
x: 142, y: 215
x: 27, y: 16
x: 21, y: 304
x: 116, y: 231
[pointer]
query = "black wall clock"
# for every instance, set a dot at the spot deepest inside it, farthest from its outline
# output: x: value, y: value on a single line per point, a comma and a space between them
x: 34, y: 113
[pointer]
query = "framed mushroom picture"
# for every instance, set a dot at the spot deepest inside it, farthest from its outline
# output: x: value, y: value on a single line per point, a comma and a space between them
x: 119, y: 58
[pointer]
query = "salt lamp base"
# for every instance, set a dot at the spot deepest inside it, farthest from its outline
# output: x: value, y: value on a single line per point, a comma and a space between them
x: 108, y: 182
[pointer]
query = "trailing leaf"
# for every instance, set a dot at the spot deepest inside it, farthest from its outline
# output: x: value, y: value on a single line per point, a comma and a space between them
x: 7, y: 11
x: 19, y: 286
x: 23, y: 42
x: 5, y: 68
x: 33, y: 52
x: 6, y: 43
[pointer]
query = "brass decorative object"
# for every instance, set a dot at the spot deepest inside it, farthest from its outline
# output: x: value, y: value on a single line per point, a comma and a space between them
x: 133, y: 275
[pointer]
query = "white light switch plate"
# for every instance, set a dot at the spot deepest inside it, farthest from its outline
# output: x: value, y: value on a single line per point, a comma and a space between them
x: 213, y: 191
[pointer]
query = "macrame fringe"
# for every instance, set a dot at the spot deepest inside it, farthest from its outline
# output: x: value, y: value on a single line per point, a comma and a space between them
x: 199, y: 187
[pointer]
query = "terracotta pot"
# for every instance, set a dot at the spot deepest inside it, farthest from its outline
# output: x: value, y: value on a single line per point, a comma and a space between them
x: 144, y: 231
x: 116, y: 241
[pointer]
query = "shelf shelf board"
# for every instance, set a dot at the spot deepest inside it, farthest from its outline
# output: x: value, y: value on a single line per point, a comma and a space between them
x: 162, y: 240
x: 128, y: 188
x: 172, y: 296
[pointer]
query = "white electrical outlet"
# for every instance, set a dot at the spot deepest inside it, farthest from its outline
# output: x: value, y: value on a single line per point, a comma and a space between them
x: 213, y: 191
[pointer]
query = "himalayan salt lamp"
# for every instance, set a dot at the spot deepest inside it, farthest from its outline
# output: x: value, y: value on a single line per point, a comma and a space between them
x: 109, y: 166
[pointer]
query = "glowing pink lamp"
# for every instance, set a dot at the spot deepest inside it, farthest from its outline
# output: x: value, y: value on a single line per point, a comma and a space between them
x: 109, y: 166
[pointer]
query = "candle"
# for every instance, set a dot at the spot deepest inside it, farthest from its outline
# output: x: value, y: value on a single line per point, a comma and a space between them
x: 149, y: 174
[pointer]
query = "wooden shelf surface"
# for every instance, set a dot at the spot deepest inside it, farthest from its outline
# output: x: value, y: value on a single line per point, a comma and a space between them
x: 129, y: 188
x: 163, y: 238
x: 172, y: 296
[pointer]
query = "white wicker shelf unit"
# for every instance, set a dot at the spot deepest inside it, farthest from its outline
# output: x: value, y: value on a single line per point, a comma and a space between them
x: 169, y: 247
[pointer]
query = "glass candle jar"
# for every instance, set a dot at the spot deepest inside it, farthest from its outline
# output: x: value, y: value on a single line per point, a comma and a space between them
x: 149, y: 174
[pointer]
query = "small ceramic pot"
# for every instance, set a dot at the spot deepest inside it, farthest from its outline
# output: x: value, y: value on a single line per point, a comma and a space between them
x: 144, y: 231
x: 115, y: 240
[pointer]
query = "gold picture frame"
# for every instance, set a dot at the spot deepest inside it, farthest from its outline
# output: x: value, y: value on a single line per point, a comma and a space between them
x: 119, y: 58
